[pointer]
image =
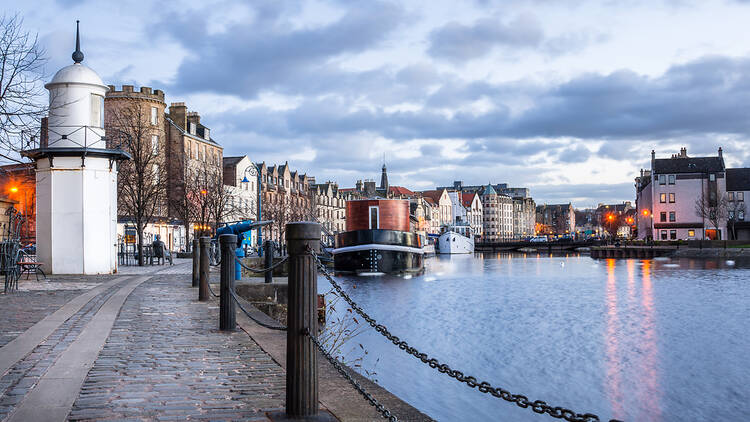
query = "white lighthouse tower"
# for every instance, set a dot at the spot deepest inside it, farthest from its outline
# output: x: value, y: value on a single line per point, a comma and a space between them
x: 76, y: 177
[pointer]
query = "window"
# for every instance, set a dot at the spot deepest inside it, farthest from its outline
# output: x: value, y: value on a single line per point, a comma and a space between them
x: 741, y: 215
x: 672, y: 217
x: 663, y: 198
x: 154, y: 119
x: 663, y: 235
x: 97, y: 110
x: 155, y: 144
x: 155, y: 170
x: 663, y: 217
x: 730, y: 196
x: 187, y: 149
x: 374, y: 218
x: 204, y: 153
x: 740, y: 196
x: 673, y: 234
x: 671, y: 198
x: 712, y: 177
x: 662, y: 179
x: 191, y: 128
x: 691, y: 233
x: 731, y: 215
x: 671, y: 179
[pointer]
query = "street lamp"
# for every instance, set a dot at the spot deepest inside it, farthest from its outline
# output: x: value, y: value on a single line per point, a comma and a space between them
x: 254, y: 171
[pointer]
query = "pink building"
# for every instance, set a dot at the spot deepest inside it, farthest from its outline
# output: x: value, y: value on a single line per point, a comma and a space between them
x: 666, y: 197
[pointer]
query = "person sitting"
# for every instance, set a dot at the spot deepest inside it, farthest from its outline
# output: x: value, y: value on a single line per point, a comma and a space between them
x: 158, y: 249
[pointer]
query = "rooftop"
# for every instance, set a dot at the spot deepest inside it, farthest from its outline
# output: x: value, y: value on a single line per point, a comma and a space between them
x: 738, y: 179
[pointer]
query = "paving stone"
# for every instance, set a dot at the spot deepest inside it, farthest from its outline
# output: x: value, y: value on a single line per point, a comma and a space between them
x: 165, y: 359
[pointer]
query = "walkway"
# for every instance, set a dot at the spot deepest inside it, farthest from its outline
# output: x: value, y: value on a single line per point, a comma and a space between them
x: 134, y: 346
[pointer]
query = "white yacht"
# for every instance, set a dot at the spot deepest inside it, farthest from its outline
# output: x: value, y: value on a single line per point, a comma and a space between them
x: 455, y: 238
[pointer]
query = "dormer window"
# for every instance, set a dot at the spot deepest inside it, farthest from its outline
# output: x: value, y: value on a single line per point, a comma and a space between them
x: 206, y: 134
x: 191, y: 128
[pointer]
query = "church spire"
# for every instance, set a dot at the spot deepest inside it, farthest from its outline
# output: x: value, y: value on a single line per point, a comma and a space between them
x: 78, y: 54
x: 384, y: 180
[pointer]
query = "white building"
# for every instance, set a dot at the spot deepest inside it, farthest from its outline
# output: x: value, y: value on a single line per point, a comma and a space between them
x: 666, y: 197
x: 76, y: 177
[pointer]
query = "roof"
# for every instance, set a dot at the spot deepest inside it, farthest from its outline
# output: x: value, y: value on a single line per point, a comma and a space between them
x: 688, y: 165
x: 232, y: 161
x: 489, y: 190
x: 190, y: 135
x: 433, y: 194
x: 400, y: 190
x: 76, y: 74
x: 467, y: 198
x: 430, y: 200
x: 738, y: 179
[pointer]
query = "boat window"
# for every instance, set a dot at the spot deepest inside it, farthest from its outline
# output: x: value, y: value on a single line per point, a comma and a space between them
x: 374, y: 218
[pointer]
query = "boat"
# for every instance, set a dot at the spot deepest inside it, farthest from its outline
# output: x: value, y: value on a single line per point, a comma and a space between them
x: 377, y: 239
x: 455, y: 239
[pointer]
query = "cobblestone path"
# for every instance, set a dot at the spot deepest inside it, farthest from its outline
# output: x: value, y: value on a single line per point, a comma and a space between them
x: 20, y: 310
x: 23, y: 376
x: 165, y: 359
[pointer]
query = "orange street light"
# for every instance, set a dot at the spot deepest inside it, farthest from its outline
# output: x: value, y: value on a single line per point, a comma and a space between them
x: 645, y: 213
x: 610, y: 217
x: 203, y: 192
x: 14, y: 189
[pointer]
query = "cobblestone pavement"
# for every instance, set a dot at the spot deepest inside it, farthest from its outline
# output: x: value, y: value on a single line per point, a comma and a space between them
x: 24, y: 375
x: 181, y: 266
x: 166, y: 360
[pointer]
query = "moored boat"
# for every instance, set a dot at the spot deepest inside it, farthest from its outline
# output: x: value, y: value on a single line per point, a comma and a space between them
x: 377, y: 239
x: 455, y: 239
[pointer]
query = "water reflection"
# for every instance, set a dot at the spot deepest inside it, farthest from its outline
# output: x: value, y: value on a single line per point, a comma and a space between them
x: 628, y: 339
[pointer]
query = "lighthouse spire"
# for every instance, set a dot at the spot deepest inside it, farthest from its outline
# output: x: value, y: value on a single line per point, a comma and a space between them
x: 78, y: 54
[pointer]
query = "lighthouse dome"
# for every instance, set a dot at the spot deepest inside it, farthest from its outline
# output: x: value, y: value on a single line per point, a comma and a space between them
x: 76, y: 74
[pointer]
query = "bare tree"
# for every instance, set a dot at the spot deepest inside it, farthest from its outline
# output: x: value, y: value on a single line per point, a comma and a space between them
x: 277, y: 207
x: 22, y: 100
x: 712, y: 209
x: 734, y: 210
x: 142, y: 180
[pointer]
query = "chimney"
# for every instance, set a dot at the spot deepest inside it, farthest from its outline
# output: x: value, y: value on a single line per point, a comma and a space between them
x: 178, y: 114
x: 195, y: 119
x: 720, y: 153
x: 683, y: 152
x: 359, y: 186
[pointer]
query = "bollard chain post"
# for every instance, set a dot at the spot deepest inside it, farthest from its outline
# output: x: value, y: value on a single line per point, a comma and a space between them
x: 203, y: 293
x: 269, y: 260
x: 301, y: 357
x: 227, y: 318
x: 196, y: 261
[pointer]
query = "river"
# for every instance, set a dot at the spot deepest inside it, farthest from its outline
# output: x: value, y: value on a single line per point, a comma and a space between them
x: 637, y: 340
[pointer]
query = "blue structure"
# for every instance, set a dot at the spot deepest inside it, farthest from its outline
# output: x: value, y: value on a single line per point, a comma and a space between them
x: 239, y: 229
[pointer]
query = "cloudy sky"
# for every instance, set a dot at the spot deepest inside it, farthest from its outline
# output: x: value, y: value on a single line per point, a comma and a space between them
x: 565, y: 97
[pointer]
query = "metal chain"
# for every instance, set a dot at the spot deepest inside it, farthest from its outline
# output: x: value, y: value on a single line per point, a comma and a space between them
x: 538, y: 406
x: 336, y: 364
x: 262, y: 324
x: 264, y: 270
x: 211, y: 290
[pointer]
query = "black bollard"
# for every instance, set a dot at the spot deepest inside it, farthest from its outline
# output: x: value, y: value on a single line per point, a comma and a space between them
x: 196, y: 262
x: 227, y: 319
x: 301, y: 356
x: 203, y: 292
x: 269, y: 261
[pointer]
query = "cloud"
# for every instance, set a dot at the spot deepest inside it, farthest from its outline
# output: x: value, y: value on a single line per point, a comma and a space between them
x: 577, y: 154
x: 261, y: 54
x: 458, y: 42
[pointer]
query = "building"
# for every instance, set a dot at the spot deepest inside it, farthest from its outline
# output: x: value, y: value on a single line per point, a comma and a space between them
x: 524, y: 216
x: 497, y: 218
x: 617, y: 220
x: 76, y: 177
x: 670, y: 194
x: 738, y: 191
x: 472, y: 203
x: 286, y: 198
x: 500, y: 188
x: 555, y: 219
x: 328, y: 207
x: 18, y: 185
x: 241, y: 181
x: 442, y: 207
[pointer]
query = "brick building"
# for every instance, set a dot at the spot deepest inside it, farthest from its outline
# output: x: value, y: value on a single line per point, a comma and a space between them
x: 555, y: 219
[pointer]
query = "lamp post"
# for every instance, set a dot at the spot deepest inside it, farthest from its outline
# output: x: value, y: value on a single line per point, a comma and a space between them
x: 254, y: 171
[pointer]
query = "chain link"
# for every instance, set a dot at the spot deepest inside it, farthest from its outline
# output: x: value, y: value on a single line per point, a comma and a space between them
x: 264, y: 270
x: 262, y: 324
x: 537, y: 406
x: 336, y: 364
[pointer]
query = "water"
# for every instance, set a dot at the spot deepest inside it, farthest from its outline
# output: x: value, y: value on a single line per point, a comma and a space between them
x: 638, y: 340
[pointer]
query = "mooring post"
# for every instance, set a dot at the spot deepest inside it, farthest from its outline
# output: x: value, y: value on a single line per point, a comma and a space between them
x: 269, y: 260
x: 302, y: 320
x: 203, y: 292
x: 196, y: 262
x: 227, y: 320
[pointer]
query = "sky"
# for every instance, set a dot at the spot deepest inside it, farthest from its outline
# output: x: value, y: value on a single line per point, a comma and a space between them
x: 565, y: 97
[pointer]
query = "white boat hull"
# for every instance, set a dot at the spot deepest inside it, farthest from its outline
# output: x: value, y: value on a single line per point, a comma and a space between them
x: 454, y: 243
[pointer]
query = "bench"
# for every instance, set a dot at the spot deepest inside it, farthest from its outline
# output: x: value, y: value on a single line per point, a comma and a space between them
x: 29, y: 265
